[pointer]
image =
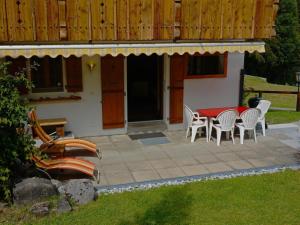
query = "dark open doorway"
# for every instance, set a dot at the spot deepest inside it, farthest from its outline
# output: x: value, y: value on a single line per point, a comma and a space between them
x: 144, y: 87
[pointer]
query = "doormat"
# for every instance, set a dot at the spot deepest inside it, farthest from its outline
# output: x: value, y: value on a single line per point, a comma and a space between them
x: 154, y: 141
x: 146, y: 136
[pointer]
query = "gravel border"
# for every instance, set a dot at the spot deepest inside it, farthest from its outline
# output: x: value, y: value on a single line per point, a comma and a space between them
x: 146, y: 185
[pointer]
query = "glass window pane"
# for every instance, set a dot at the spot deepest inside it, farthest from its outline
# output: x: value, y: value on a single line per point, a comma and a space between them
x: 47, y: 75
x: 206, y: 65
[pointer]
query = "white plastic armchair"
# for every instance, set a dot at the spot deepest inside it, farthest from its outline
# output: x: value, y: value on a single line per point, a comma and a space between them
x: 226, y: 122
x: 263, y: 107
x: 249, y: 120
x: 194, y: 122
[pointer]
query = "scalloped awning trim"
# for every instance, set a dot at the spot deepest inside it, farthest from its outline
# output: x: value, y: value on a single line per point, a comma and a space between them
x: 127, y: 49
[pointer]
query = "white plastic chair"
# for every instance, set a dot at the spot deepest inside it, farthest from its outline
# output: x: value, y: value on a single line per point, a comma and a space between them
x: 249, y: 120
x: 263, y: 107
x: 194, y: 122
x: 226, y: 123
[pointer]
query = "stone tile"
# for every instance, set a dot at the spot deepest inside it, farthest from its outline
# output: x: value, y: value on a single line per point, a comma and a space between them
x: 120, y: 138
x: 156, y: 154
x: 100, y: 139
x: 103, y: 180
x: 112, y: 153
x: 119, y: 178
x: 128, y: 147
x: 138, y: 166
x: 177, y: 152
x: 170, y: 172
x: 145, y: 175
x: 260, y: 162
x: 185, y: 161
x: 289, y: 159
x: 227, y: 156
x: 133, y: 157
x: 217, y: 167
x: 194, y: 170
x: 163, y: 163
x: 207, y: 158
x: 114, y: 168
x: 240, y: 164
x: 248, y: 155
x: 110, y: 160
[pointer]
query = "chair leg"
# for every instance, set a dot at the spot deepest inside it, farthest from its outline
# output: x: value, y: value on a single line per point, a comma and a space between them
x: 210, y: 131
x: 187, y: 132
x: 200, y: 132
x: 219, y: 133
x: 207, y: 133
x: 263, y: 125
x: 232, y: 135
x: 254, y: 134
x: 194, y: 132
x: 242, y: 134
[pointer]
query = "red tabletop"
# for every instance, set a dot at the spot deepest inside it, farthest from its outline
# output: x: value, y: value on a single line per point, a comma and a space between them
x: 214, y: 112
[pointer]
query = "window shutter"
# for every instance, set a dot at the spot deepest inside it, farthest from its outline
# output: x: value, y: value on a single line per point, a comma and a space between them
x: 17, y: 65
x: 74, y: 74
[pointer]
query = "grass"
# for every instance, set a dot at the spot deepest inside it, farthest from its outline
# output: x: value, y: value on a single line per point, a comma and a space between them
x: 278, y: 100
x: 266, y: 199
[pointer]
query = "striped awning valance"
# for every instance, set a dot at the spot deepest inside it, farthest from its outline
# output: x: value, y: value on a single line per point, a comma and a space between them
x: 127, y: 49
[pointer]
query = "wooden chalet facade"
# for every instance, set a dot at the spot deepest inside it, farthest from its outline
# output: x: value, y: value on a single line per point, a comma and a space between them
x: 103, y: 63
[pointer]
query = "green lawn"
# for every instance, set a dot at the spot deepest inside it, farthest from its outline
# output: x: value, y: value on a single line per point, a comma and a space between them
x: 278, y: 100
x: 266, y: 199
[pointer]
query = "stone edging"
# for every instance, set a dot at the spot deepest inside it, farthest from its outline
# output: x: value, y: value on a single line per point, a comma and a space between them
x: 189, y: 179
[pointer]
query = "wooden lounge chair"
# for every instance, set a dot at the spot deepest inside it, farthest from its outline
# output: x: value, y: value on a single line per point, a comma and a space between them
x: 68, y: 163
x: 73, y: 143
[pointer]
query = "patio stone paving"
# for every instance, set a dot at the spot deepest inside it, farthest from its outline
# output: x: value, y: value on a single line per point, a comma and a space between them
x: 126, y: 161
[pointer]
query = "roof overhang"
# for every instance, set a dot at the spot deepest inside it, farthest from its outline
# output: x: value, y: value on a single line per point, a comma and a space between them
x: 127, y: 49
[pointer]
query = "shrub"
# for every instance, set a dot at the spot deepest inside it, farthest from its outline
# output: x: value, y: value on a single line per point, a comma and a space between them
x: 15, y: 144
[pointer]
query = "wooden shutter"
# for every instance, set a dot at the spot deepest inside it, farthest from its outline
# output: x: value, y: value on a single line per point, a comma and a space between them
x: 177, y: 72
x: 16, y: 66
x: 74, y: 74
x: 112, y: 80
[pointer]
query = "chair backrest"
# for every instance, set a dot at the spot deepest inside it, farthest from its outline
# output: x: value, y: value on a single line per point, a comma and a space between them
x: 227, y: 119
x: 263, y: 106
x: 37, y: 127
x: 189, y: 115
x: 250, y: 118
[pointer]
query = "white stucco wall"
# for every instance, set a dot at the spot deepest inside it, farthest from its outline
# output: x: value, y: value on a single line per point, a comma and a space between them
x: 85, y: 116
x: 218, y: 92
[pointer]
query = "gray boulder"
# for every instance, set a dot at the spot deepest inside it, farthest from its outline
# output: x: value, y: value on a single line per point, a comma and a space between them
x: 40, y: 209
x: 63, y: 205
x: 31, y: 190
x: 81, y: 191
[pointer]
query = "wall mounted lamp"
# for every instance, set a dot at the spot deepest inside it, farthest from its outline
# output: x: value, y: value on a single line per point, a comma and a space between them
x: 91, y: 65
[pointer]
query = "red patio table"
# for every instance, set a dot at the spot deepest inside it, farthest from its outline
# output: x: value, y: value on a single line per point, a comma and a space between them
x: 214, y: 112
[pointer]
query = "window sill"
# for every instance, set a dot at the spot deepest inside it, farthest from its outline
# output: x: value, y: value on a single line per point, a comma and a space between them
x: 45, y: 100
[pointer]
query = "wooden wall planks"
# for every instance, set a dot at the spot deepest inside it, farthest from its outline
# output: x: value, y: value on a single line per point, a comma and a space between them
x: 3, y: 21
x: 134, y: 20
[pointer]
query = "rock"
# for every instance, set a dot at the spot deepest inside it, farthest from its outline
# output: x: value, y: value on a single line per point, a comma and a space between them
x: 40, y: 209
x: 56, y: 183
x: 63, y: 205
x: 31, y: 190
x: 81, y: 191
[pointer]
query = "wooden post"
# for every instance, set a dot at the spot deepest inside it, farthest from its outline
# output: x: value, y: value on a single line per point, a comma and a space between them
x: 241, y: 97
x: 260, y: 94
x: 298, y: 102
